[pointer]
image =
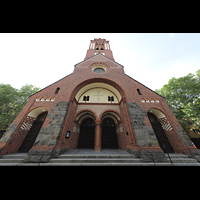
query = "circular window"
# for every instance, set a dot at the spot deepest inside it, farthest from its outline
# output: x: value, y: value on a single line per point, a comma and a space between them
x: 99, y: 70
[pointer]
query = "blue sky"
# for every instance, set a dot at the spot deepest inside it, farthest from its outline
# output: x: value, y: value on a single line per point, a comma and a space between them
x: 150, y: 58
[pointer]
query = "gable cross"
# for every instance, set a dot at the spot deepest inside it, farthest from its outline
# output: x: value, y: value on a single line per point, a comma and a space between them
x: 98, y: 95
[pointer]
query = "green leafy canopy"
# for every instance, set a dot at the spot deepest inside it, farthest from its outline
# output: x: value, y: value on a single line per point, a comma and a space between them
x: 12, y: 101
x: 183, y: 97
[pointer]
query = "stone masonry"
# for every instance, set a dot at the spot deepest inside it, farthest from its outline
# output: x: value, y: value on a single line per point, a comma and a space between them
x: 48, y: 136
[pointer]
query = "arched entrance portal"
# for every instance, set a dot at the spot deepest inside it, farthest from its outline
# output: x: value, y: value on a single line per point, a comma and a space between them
x: 33, y: 133
x: 86, y: 136
x: 160, y: 133
x: 108, y: 135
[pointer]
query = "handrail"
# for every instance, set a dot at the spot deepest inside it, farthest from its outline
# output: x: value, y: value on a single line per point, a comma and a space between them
x: 151, y: 153
x: 147, y: 151
x: 167, y: 153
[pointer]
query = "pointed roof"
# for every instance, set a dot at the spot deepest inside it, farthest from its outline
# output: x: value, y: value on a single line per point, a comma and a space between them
x: 98, y: 55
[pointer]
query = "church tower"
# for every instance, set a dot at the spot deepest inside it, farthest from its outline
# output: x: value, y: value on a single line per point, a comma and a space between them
x: 99, y: 46
x: 96, y: 107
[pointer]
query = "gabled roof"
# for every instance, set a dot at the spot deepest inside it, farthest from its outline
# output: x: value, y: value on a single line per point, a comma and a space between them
x: 98, y: 55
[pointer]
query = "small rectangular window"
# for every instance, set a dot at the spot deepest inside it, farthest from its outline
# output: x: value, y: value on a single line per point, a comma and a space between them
x: 138, y: 90
x: 56, y: 92
x: 88, y: 98
x: 108, y: 98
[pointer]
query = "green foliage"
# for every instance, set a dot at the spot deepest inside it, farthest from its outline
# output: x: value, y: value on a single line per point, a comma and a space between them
x: 12, y: 101
x: 183, y: 97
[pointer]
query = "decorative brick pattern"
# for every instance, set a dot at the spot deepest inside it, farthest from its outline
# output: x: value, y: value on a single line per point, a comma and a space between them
x: 26, y: 125
x: 165, y: 124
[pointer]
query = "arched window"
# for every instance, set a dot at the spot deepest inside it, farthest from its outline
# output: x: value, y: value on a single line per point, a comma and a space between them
x: 110, y: 98
x: 86, y: 98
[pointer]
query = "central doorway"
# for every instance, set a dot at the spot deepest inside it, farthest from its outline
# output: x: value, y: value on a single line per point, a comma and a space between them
x: 33, y: 133
x: 108, y: 136
x: 86, y: 136
x: 160, y: 134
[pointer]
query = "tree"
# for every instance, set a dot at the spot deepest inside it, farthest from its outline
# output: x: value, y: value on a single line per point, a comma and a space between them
x: 12, y: 101
x: 183, y: 97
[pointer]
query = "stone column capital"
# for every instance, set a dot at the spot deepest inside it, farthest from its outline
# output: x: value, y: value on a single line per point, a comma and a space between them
x: 97, y: 122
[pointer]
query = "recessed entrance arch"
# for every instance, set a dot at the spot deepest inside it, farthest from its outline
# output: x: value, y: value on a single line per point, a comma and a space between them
x: 155, y: 116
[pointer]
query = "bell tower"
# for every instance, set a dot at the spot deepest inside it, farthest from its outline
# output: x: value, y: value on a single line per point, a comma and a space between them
x: 99, y: 46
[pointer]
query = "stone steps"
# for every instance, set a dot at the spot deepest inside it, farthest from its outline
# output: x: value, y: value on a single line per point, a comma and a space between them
x: 121, y: 158
x: 180, y: 158
x: 12, y: 159
x: 94, y: 160
x: 91, y: 158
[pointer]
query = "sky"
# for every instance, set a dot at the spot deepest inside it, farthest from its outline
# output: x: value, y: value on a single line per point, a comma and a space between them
x: 152, y: 59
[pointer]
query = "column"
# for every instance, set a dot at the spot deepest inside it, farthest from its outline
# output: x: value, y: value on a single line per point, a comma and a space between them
x: 97, y: 145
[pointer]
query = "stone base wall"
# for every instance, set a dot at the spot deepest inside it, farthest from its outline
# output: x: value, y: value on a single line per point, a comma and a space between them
x: 42, y: 150
x: 144, y: 135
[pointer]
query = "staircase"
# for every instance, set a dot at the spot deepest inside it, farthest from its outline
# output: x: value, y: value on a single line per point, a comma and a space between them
x: 182, y: 160
x: 98, y: 159
x: 84, y: 157
x: 114, y: 157
x: 12, y: 159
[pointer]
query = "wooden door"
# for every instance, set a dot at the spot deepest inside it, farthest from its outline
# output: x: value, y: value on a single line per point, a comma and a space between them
x: 108, y: 135
x: 86, y: 136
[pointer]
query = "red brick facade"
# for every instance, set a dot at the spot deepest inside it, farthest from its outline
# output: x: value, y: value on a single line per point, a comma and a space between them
x: 64, y: 111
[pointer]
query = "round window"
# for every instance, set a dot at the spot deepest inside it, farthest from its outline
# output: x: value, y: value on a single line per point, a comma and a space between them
x: 99, y: 70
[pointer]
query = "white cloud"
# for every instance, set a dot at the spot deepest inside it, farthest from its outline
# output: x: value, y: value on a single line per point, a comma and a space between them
x: 171, y: 35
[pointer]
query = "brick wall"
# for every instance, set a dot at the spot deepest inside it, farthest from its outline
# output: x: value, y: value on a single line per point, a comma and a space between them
x: 135, y: 124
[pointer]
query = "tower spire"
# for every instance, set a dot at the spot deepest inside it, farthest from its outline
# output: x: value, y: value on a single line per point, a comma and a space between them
x: 99, y: 46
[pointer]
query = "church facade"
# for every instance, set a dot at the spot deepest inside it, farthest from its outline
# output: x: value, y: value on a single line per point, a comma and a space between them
x: 96, y: 107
